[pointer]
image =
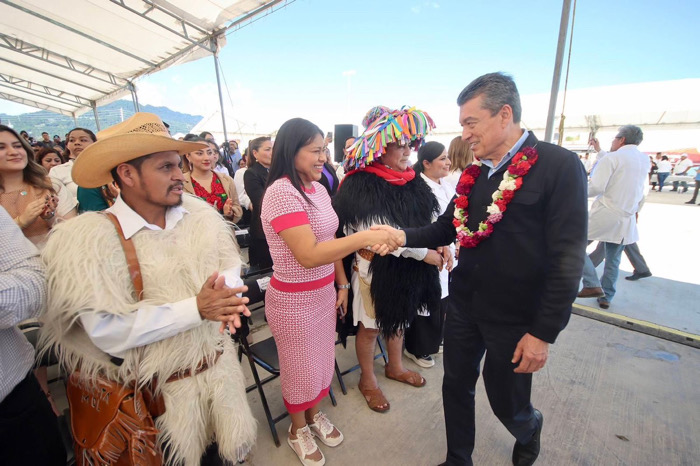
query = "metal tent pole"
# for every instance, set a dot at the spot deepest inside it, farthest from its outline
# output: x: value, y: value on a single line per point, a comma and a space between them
x: 134, y: 97
x: 97, y: 118
x: 563, y: 28
x: 214, y: 48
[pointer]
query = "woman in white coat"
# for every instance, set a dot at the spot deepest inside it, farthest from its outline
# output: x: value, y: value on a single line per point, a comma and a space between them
x: 424, y: 337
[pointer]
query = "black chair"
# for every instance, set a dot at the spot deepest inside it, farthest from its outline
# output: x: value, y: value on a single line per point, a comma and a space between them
x: 262, y: 353
x: 340, y: 374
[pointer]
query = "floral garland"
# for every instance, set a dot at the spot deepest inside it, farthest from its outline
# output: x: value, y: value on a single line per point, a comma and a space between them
x: 512, y: 181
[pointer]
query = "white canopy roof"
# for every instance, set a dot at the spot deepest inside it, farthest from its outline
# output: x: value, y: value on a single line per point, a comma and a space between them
x: 68, y: 56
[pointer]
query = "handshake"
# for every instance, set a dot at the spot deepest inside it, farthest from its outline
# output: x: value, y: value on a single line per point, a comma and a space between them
x: 383, y: 239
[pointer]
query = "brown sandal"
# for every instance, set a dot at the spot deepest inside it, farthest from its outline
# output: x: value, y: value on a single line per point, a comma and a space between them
x: 375, y: 399
x: 408, y: 377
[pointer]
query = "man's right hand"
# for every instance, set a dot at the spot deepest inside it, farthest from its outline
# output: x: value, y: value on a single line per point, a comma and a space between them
x: 219, y: 303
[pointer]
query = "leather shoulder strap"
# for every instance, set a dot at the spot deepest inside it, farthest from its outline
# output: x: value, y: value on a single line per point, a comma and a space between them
x: 132, y: 260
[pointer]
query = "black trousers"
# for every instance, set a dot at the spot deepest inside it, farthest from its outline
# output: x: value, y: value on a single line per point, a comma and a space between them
x: 29, y: 432
x: 424, y: 335
x: 466, y: 341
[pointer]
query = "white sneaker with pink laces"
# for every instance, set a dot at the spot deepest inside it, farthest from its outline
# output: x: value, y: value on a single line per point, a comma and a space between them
x: 305, y: 447
x: 325, y: 431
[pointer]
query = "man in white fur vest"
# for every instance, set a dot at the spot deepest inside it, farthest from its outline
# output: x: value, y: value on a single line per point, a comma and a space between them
x: 105, y: 328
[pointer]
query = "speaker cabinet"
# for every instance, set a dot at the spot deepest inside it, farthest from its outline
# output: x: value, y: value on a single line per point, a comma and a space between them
x: 342, y: 133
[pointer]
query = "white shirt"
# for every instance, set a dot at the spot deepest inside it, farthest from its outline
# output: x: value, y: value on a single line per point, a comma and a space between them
x: 444, y: 193
x: 115, y: 334
x: 663, y: 166
x: 617, y: 182
x: 62, y: 173
x: 240, y: 188
x: 682, y: 166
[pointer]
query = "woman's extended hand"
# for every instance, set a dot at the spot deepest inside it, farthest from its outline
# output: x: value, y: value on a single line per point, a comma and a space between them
x: 384, y: 239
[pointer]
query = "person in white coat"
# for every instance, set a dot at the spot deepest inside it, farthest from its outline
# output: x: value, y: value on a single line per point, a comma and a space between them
x: 617, y: 183
x: 425, y: 334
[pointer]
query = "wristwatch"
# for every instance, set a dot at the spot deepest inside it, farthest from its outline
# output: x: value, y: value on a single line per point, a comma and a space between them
x: 344, y: 287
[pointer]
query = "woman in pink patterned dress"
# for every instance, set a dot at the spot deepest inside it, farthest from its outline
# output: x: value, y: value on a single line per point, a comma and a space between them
x: 300, y: 224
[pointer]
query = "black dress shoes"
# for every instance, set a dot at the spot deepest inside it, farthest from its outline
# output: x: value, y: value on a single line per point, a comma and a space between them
x: 636, y: 276
x: 525, y: 455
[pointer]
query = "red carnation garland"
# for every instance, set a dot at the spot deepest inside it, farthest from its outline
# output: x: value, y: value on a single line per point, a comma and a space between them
x: 512, y: 181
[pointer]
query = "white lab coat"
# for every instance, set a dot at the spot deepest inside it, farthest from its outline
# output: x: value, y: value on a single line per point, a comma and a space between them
x: 617, y: 182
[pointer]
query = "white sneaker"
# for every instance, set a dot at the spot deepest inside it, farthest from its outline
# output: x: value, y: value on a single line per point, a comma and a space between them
x: 304, y: 446
x: 322, y: 428
x: 423, y: 361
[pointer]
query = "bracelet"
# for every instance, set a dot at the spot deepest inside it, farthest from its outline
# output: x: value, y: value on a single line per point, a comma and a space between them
x: 344, y: 287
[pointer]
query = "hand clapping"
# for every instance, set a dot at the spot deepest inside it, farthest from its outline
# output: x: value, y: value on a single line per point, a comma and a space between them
x: 218, y: 302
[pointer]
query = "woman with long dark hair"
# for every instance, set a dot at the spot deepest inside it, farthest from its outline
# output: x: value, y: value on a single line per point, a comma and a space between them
x: 78, y: 140
x: 254, y: 180
x: 49, y: 157
x: 301, y: 300
x: 215, y: 188
x: 424, y: 336
x: 26, y: 192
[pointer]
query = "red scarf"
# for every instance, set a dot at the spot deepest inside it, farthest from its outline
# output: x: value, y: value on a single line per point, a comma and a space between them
x: 391, y: 176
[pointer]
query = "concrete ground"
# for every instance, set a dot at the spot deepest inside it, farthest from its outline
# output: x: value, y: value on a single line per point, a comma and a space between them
x: 609, y: 395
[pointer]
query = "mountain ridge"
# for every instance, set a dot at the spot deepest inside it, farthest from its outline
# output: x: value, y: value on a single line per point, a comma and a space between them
x: 53, y: 123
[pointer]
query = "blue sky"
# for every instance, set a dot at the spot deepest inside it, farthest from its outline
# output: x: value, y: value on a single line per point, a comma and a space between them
x: 296, y: 61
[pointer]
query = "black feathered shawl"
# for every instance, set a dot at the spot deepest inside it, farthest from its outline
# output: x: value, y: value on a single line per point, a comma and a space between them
x: 400, y: 286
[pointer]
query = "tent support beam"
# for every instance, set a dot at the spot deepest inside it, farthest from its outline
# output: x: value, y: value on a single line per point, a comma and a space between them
x: 97, y: 118
x: 75, y: 31
x: 563, y: 29
x: 56, y: 59
x: 134, y: 97
x: 218, y: 86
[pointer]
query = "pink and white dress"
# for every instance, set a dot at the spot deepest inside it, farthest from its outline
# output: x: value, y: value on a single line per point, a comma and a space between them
x: 300, y: 303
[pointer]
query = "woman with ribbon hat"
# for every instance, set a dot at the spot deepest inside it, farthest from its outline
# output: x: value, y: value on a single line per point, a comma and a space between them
x: 380, y: 187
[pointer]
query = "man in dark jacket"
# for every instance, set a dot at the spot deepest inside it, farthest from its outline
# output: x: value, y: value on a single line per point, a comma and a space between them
x: 518, y: 271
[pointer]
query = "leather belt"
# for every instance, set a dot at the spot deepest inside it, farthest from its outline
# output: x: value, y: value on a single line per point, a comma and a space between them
x: 204, y: 365
x: 366, y: 254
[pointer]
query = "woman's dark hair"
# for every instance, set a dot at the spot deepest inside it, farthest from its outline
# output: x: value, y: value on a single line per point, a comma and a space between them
x: 255, y: 145
x: 292, y: 136
x: 429, y: 152
x: 66, y: 153
x: 34, y: 174
x: 48, y: 150
x: 189, y: 137
x: 663, y: 157
x: 218, y: 152
x: 203, y: 134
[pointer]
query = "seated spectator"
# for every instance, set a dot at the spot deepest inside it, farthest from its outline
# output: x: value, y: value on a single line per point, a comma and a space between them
x: 216, y: 189
x: 78, y: 139
x: 29, y: 432
x: 27, y: 193
x: 49, y: 158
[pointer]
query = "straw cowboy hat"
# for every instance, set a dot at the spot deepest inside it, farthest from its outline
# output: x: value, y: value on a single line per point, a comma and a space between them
x: 142, y: 134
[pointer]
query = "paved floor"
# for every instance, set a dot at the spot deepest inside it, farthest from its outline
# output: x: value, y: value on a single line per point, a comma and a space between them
x: 670, y: 242
x: 609, y: 396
